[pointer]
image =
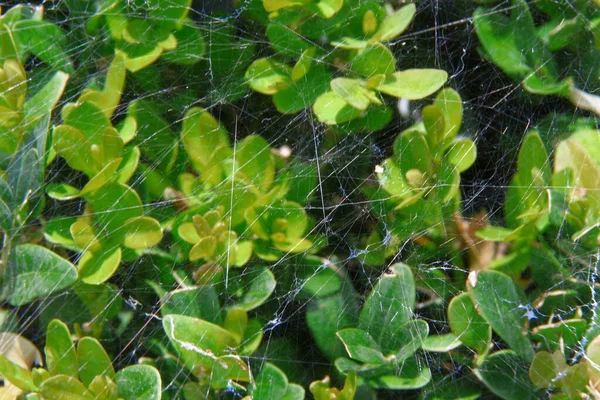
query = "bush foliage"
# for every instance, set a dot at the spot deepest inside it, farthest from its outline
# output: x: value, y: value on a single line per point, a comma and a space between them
x: 175, y: 226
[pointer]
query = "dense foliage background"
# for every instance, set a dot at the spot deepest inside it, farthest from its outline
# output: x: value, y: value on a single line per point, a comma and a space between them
x: 288, y: 199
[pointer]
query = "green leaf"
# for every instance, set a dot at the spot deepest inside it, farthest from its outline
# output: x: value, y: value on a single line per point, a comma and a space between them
x: 328, y: 8
x: 354, y: 93
x: 97, y: 267
x: 373, y: 59
x: 412, y: 152
x: 274, y: 5
x: 103, y: 387
x: 441, y: 343
x: 392, y: 181
x: 73, y: 146
x: 588, y: 139
x: 409, y: 338
x: 546, y: 368
x: 190, y: 45
x: 570, y: 154
x: 204, y: 138
x: 38, y: 273
x: 268, y: 76
x: 389, y: 306
x: 25, y: 176
x: 592, y: 353
x: 468, y: 326
x: 499, y: 301
x: 434, y: 122
x: 497, y: 36
x: 154, y: 136
x: 236, y: 322
x: 61, y: 358
x: 413, y: 375
x: 304, y: 64
x: 142, y: 232
x: 321, y: 390
x: 17, y: 375
x: 93, y: 360
x: 227, y: 369
x: 89, y: 119
x: 271, y: 383
x: 332, y: 109
x: 46, y: 98
x: 325, y: 316
x: 62, y: 191
x: 103, y: 177
x: 112, y: 206
x: 286, y: 40
x: 305, y: 90
x: 64, y: 387
x: 44, y: 39
x: 505, y: 367
x: 255, y: 162
x: 450, y: 103
x: 6, y: 216
x: 495, y: 233
x: 361, y: 346
x: 393, y: 25
x: 413, y: 84
x: 139, y: 382
x: 199, y: 302
x: 199, y: 342
x: 322, y: 281
x: 533, y: 156
x: 260, y: 287
x: 448, y: 183
x: 294, y: 391
x: 567, y: 332
x: 462, y: 153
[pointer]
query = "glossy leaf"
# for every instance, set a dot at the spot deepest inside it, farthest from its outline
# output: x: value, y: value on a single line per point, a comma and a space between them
x: 17, y: 375
x: 466, y: 323
x: 268, y: 76
x: 413, y: 84
x: 504, y: 367
x: 61, y: 357
x: 332, y: 109
x: 38, y: 273
x: 62, y: 191
x: 462, y: 154
x: 199, y: 342
x: 393, y: 25
x: 139, y: 382
x: 142, y: 232
x: 97, y: 267
x: 271, y: 383
x: 389, y: 306
x: 261, y: 286
x: 93, y: 360
x: 361, y: 346
x: 498, y: 299
x: 372, y: 60
x: 46, y: 98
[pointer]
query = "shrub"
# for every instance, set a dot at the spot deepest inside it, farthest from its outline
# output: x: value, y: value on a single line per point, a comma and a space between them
x: 277, y: 201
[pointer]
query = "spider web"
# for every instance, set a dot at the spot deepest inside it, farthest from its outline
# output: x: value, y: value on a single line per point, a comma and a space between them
x: 497, y: 114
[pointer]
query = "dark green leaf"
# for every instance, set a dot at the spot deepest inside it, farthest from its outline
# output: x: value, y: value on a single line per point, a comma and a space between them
x: 500, y: 302
x: 506, y: 375
x: 38, y: 273
x: 139, y: 382
x: 389, y: 306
